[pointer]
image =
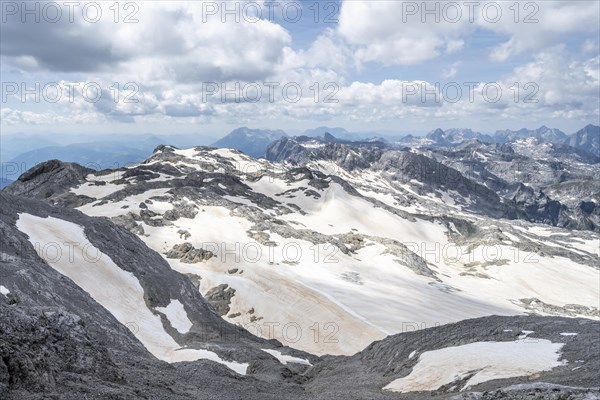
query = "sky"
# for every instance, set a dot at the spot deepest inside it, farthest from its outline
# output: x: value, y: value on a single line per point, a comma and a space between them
x: 207, y: 67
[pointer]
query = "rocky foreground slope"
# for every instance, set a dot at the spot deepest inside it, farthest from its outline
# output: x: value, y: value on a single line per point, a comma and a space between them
x: 204, y: 273
x: 61, y: 339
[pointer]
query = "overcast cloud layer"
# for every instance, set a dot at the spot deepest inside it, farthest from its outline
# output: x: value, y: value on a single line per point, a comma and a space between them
x: 361, y: 65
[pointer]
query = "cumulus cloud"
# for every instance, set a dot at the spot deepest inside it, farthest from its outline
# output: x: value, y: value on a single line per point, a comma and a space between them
x: 451, y: 72
x: 565, y: 84
x: 174, y: 50
x: 379, y: 32
x: 540, y: 25
x: 172, y: 40
x: 552, y: 85
x: 409, y: 32
x: 11, y: 116
x: 590, y: 46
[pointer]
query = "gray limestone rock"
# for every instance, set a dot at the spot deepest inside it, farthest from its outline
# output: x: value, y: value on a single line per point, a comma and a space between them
x: 187, y: 253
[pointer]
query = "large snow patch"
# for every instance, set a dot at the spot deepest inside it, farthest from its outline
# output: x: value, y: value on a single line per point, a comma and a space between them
x: 116, y: 290
x: 479, y: 362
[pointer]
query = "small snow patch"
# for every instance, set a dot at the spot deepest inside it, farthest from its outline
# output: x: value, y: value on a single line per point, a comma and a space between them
x: 411, y: 355
x: 177, y: 316
x: 569, y: 334
x: 4, y: 290
x: 284, y: 359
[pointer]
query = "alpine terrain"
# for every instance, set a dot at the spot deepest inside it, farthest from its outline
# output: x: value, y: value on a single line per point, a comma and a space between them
x: 452, y: 266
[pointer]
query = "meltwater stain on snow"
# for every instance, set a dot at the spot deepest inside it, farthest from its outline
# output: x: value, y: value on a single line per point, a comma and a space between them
x: 120, y: 293
x: 482, y: 361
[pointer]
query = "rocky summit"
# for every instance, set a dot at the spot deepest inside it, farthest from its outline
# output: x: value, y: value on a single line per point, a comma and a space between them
x: 454, y: 266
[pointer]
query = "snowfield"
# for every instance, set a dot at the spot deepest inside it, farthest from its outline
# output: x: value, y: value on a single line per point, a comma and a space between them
x: 479, y: 362
x: 115, y: 289
x: 347, y: 301
x: 92, y: 189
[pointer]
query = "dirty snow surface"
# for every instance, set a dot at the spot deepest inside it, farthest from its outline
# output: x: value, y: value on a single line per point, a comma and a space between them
x: 116, y: 290
x: 348, y: 269
x: 471, y: 364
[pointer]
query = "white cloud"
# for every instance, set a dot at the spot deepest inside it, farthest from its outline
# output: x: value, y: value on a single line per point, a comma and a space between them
x: 553, y: 85
x: 451, y: 72
x: 378, y: 32
x: 173, y: 41
x: 590, y: 46
x: 402, y: 32
x: 559, y: 86
x: 550, y: 22
x: 453, y: 46
x: 11, y: 116
x: 172, y: 51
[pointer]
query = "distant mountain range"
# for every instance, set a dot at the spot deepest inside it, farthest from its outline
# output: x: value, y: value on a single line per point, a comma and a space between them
x: 22, y: 152
x: 586, y: 139
x: 14, y: 145
x: 451, y: 136
x: 101, y: 152
x: 253, y: 142
x: 95, y: 155
x: 543, y: 133
x: 337, y: 132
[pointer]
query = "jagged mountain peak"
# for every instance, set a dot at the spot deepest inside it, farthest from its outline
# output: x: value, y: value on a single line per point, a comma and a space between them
x: 164, y: 147
x: 586, y: 139
x: 543, y: 133
x: 253, y: 142
x: 48, y: 179
x: 455, y: 137
x: 329, y: 138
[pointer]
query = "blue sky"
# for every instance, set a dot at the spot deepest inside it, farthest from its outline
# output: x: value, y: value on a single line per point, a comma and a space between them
x: 369, y: 58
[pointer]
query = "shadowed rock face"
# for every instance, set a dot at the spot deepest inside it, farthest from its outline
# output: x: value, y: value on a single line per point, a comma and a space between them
x: 528, y: 175
x: 404, y: 165
x: 587, y: 139
x: 220, y: 298
x: 51, y: 180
